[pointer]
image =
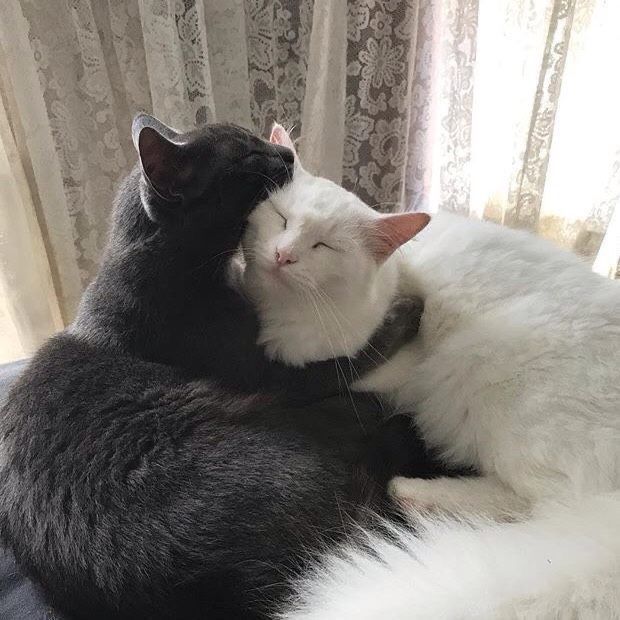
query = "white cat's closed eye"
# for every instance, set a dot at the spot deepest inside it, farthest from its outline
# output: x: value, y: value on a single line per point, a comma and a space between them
x: 324, y: 245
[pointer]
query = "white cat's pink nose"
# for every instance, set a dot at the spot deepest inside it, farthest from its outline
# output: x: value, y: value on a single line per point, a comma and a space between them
x: 285, y: 257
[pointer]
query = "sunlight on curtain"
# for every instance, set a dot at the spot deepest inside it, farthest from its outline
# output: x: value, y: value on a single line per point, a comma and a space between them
x: 29, y: 309
x: 516, y: 118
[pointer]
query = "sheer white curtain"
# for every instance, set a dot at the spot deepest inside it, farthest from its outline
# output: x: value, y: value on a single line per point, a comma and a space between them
x: 515, y: 118
x: 506, y: 109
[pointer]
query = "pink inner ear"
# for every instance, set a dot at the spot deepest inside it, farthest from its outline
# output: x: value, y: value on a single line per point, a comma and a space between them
x: 389, y: 232
x: 280, y: 136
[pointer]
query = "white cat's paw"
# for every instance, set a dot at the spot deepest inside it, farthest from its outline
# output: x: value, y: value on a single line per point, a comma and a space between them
x: 415, y: 494
x: 272, y: 350
x: 462, y: 497
x: 277, y: 352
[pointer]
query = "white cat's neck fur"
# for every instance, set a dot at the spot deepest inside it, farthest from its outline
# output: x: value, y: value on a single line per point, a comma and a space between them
x: 515, y: 371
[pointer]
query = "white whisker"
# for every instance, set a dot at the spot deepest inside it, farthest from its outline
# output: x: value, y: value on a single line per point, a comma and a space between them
x: 352, y: 370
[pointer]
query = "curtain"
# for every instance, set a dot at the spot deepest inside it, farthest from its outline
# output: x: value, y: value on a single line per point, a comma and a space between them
x: 498, y: 109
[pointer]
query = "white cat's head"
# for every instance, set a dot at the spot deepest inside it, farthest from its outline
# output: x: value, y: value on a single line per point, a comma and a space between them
x: 314, y: 234
x: 317, y: 266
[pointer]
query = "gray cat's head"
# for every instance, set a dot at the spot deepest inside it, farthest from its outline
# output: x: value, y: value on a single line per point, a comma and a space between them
x: 204, y: 180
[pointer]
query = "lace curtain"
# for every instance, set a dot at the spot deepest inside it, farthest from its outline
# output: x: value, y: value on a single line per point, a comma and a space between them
x: 503, y: 109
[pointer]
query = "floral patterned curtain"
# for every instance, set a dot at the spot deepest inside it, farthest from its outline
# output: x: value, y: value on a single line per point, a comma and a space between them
x: 503, y: 109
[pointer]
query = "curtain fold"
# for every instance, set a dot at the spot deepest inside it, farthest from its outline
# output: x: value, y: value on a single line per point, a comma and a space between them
x: 29, y: 309
x: 498, y: 109
x: 324, y: 104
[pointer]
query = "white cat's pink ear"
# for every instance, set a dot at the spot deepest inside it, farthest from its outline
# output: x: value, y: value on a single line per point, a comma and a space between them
x: 280, y: 136
x: 387, y: 233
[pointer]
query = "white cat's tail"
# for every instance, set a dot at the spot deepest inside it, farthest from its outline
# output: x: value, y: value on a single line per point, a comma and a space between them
x: 565, y: 564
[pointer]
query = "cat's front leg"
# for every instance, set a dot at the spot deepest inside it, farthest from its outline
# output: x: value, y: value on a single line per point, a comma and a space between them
x: 476, y: 496
x: 384, y: 365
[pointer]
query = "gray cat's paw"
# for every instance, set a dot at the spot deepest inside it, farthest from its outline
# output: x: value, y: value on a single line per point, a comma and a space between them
x: 407, y: 310
x: 400, y: 326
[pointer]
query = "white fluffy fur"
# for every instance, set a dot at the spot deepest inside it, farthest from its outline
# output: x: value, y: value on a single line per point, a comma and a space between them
x: 515, y: 372
x: 559, y: 566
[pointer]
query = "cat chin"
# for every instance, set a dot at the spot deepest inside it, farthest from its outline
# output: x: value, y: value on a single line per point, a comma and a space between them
x: 269, y: 277
x: 280, y: 280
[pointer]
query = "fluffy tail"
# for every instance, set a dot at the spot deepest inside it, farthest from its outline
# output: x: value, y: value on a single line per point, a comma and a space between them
x: 565, y: 564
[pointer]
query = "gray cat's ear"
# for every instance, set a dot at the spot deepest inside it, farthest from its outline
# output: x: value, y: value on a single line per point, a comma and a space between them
x: 143, y: 120
x: 163, y: 158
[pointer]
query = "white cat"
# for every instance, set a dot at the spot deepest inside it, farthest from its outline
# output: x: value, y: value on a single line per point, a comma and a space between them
x: 516, y: 372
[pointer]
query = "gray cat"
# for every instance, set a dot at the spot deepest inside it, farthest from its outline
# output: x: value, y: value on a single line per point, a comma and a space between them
x: 151, y: 466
